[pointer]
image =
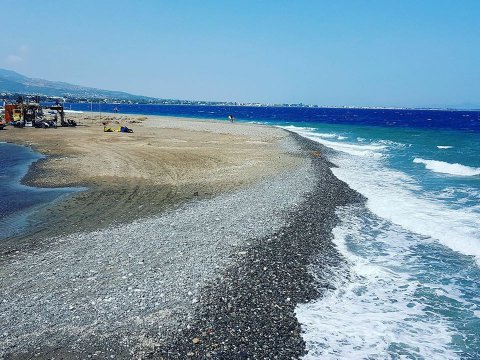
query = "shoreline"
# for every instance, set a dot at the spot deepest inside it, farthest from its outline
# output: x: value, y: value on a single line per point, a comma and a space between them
x: 264, y: 235
x: 249, y: 311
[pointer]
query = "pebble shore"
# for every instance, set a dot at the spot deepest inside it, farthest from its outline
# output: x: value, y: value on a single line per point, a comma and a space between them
x: 216, y: 278
x: 248, y: 311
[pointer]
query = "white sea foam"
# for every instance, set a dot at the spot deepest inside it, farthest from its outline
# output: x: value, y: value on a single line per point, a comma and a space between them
x: 370, y: 151
x: 296, y: 128
x: 375, y: 312
x: 448, y: 168
x: 392, y: 144
x: 381, y: 308
x: 395, y: 196
x: 304, y: 131
x: 327, y: 136
x: 444, y: 146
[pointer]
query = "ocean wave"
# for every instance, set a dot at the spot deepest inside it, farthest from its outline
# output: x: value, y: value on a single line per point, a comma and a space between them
x: 375, y: 310
x: 362, y: 150
x: 393, y: 195
x: 311, y: 131
x: 370, y: 151
x: 448, y: 168
x: 296, y: 128
x: 392, y: 144
x: 329, y: 136
x: 444, y: 147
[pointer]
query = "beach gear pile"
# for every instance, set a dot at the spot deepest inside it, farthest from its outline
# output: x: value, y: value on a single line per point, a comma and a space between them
x: 122, y: 129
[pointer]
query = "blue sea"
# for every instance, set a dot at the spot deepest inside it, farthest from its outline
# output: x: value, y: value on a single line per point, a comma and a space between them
x: 19, y: 203
x: 409, y: 288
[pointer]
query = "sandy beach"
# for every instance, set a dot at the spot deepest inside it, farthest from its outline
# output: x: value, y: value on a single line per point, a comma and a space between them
x: 193, y: 240
x: 165, y: 162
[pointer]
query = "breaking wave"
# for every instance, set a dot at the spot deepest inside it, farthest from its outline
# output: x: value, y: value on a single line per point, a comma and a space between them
x: 448, y: 168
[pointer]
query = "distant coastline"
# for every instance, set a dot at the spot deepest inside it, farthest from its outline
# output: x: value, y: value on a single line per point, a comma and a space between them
x: 65, y: 98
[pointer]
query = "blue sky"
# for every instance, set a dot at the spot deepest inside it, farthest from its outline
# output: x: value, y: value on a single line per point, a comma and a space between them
x: 377, y: 52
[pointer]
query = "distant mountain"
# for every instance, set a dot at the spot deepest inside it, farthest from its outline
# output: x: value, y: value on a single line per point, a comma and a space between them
x: 13, y: 82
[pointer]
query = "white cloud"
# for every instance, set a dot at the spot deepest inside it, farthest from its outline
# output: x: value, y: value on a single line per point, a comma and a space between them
x: 14, y: 59
x: 19, y: 57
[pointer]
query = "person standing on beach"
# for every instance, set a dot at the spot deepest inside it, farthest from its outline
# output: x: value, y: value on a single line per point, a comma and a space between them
x: 231, y: 118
